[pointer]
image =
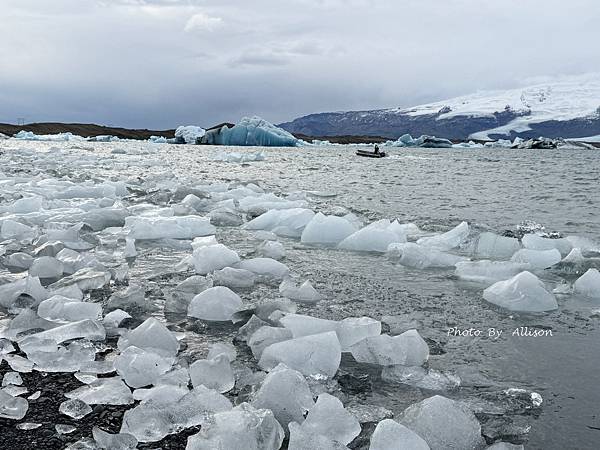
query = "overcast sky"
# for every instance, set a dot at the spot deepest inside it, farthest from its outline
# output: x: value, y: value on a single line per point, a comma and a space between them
x: 162, y: 63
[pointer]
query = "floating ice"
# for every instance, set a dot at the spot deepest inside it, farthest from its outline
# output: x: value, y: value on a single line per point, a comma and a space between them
x: 244, y: 427
x: 214, y: 257
x: 537, y: 259
x: 317, y: 354
x: 304, y: 440
x: 12, y: 407
x: 431, y: 379
x: 391, y: 435
x: 535, y: 242
x: 239, y: 157
x: 151, y: 335
x: 443, y: 424
x: 18, y: 261
x: 62, y: 309
x: 104, y: 391
x: 221, y: 348
x: 74, y: 408
x: 265, y: 268
x: 213, y: 373
x: 490, y: 245
x: 574, y: 257
x: 88, y: 329
x: 218, y: 303
x: 265, y: 336
x: 523, y: 292
x: 181, y: 227
x: 120, y: 441
x: 251, y: 131
x: 140, y: 367
x: 271, y: 249
x: 286, y: 222
x: 285, y: 392
x: 421, y: 257
x: 375, y: 237
x: 408, y: 349
x: 11, y: 229
x: 305, y: 293
x: 448, y: 240
x: 588, y: 284
x: 327, y: 230
x: 234, y: 278
x: 189, y: 134
x: 486, y: 271
x: 329, y: 418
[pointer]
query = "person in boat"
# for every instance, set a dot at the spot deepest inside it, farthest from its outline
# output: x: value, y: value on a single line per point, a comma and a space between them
x: 376, y: 149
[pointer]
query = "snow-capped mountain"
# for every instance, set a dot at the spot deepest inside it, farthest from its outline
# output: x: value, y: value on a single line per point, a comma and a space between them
x: 567, y: 107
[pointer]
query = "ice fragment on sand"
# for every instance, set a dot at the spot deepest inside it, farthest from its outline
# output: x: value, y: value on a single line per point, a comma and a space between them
x: 104, y: 391
x: 429, y: 379
x: 151, y: 335
x: 305, y: 293
x: 265, y: 336
x: 12, y: 407
x: 213, y: 373
x: 265, y: 268
x: 87, y: 329
x: 234, y: 278
x: 523, y: 292
x: 215, y: 304
x: 271, y: 249
x: 304, y: 440
x: 62, y: 309
x: 140, y: 367
x: 120, y: 441
x: 46, y: 267
x: 329, y: 418
x: 391, y: 435
x: 75, y: 408
x: 213, y: 257
x: 221, y: 348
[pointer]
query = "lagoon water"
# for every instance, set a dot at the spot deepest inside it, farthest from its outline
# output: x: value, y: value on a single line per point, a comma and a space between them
x: 492, y: 189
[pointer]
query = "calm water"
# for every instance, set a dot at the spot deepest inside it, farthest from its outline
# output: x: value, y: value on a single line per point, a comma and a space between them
x: 492, y: 189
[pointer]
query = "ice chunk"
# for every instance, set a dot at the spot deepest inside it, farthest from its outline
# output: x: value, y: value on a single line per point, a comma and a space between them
x: 375, y: 237
x: 505, y: 446
x: 588, y: 284
x: 213, y: 373
x: 50, y: 358
x: 218, y: 303
x: 86, y: 279
x: 431, y: 379
x: 448, y: 240
x: 50, y: 248
x: 317, y: 354
x: 12, y: 407
x: 488, y: 272
x: 421, y: 257
x: 19, y: 261
x: 131, y: 299
x: 62, y: 309
x: 327, y: 230
x: 535, y: 242
x: 250, y: 327
x: 11, y: 229
x: 271, y: 249
x: 234, y: 278
x: 523, y: 292
x: 64, y: 429
x: 251, y: 131
x: 306, y: 293
x: 408, y: 349
x: 221, y: 348
x: 104, y: 391
x: 140, y: 367
x: 265, y: 336
x: 120, y: 441
x: 189, y: 134
x: 303, y: 440
x: 244, y: 427
x: 74, y: 408
x: 13, y: 378
x: 391, y: 435
x: 490, y: 245
x: 443, y: 424
x: 537, y: 259
x: 178, y: 300
x: 265, y: 268
x: 574, y: 257
x: 214, y: 257
x: 285, y: 392
x: 114, y: 318
x: 151, y: 335
x: 329, y: 418
x: 30, y: 286
x: 180, y: 227
x: 88, y: 329
x: 289, y: 222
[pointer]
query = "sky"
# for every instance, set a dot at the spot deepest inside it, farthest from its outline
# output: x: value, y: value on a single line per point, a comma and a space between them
x: 162, y: 63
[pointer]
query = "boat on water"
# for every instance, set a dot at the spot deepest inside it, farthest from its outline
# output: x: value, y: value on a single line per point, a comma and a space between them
x: 369, y: 154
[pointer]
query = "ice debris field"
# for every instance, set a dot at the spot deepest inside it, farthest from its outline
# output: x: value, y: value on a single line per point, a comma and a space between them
x: 218, y: 347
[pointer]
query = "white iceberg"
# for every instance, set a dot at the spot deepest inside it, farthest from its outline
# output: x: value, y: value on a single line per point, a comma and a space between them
x: 537, y: 259
x: 327, y: 230
x: 251, y: 131
x: 588, y: 284
x: 188, y: 134
x: 375, y: 237
x: 523, y: 292
x: 448, y: 240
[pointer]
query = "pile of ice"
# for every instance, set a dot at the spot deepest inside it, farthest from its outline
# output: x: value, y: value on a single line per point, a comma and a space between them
x: 406, y: 140
x: 60, y: 137
x: 236, y: 157
x: 189, y: 134
x: 250, y: 131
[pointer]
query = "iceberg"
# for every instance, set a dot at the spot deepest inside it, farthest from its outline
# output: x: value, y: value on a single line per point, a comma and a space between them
x: 535, y: 242
x: 588, y: 284
x: 523, y: 292
x: 537, y: 259
x: 448, y: 240
x: 327, y: 230
x: 490, y: 245
x: 188, y: 134
x: 287, y: 222
x: 250, y: 131
x: 486, y: 271
x: 375, y: 237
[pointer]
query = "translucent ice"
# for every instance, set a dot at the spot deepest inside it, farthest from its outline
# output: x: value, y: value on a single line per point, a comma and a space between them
x: 535, y: 242
x: 242, y: 428
x: 213, y: 373
x: 305, y: 293
x: 265, y: 336
x: 62, y: 309
x: 31, y: 286
x: 234, y: 278
x: 375, y: 237
x: 407, y: 349
x: 104, y: 391
x: 252, y: 131
x: 151, y: 335
x: 574, y: 257
x: 505, y: 446
x: 114, y: 318
x: 19, y: 261
x: 430, y: 379
x: 271, y: 249
x: 178, y: 300
x: 422, y: 257
x: 317, y: 354
x: 74, y: 408
x: 327, y: 230
x: 131, y: 299
x: 218, y: 303
x: 490, y: 245
x: 12, y: 407
x: 11, y: 229
x: 46, y: 267
x: 486, y: 271
x: 588, y: 284
x: 523, y: 292
x: 288, y: 222
x: 13, y: 378
x: 189, y: 134
x: 265, y: 268
x: 448, y: 240
x: 213, y: 257
x: 329, y: 418
x: 180, y: 227
x: 120, y: 441
x: 391, y: 435
x: 88, y: 329
x: 443, y: 424
x: 285, y: 392
x: 537, y: 259
x: 140, y: 367
x: 305, y: 440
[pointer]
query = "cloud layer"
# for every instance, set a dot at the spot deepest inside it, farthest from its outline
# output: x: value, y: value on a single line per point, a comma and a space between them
x: 160, y: 63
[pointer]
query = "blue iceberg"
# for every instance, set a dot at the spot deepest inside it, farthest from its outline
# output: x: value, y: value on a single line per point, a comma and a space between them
x: 250, y: 131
